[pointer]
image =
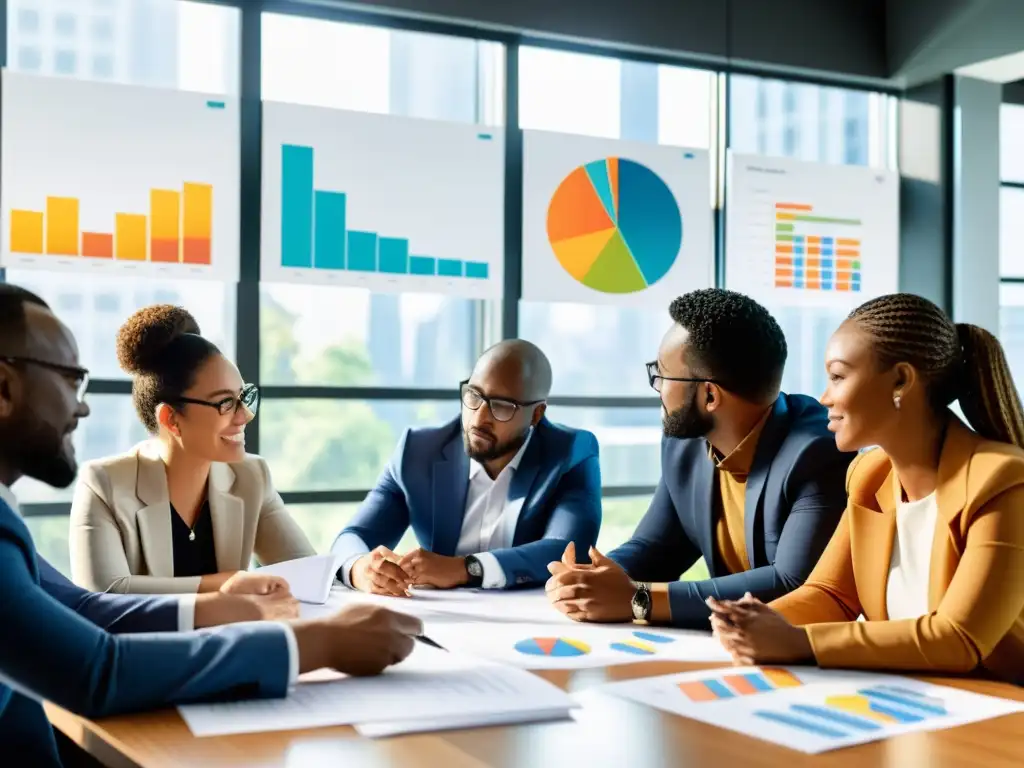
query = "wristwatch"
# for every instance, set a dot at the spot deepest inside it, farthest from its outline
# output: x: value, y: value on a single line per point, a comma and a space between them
x: 475, y: 569
x: 642, y: 602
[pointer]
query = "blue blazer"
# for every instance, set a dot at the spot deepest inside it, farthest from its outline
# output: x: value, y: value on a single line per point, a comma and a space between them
x: 425, y: 486
x: 795, y: 496
x: 47, y: 651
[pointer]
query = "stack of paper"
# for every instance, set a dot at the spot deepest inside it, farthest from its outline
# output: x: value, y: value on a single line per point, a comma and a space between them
x: 430, y: 690
x: 310, y: 578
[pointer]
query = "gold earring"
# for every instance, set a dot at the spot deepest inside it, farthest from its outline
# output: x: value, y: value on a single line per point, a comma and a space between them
x: 896, y: 399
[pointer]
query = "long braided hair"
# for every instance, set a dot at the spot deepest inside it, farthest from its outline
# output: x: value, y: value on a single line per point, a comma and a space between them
x: 957, y: 361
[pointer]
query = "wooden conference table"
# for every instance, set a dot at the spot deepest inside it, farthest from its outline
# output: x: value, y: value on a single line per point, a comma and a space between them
x: 605, y: 732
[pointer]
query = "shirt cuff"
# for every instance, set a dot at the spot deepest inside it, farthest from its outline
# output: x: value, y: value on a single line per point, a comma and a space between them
x: 293, y: 653
x: 494, y: 574
x: 186, y: 613
x: 346, y: 570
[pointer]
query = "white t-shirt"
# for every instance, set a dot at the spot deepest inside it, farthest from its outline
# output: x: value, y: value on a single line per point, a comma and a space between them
x: 906, y: 595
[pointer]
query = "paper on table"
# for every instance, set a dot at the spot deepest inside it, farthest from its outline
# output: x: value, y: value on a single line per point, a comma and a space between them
x: 808, y: 709
x: 477, y: 720
x: 579, y: 646
x: 310, y: 578
x: 430, y: 683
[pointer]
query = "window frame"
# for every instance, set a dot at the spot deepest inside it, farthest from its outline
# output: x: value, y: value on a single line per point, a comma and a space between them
x: 497, y: 320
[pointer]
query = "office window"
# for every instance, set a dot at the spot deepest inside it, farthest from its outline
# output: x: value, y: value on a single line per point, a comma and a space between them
x: 94, y: 308
x: 28, y: 21
x: 818, y: 124
x: 316, y: 445
x: 630, y: 440
x: 337, y: 336
x: 65, y: 62
x: 65, y: 24
x: 174, y: 44
x: 111, y: 428
x: 30, y: 59
x: 103, y: 67
x: 1011, y: 236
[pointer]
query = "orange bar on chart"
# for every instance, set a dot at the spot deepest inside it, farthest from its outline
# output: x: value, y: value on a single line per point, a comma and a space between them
x: 783, y: 261
x: 198, y: 223
x: 781, y: 678
x: 840, y: 242
x: 783, y: 282
x: 164, y: 226
x: 62, y: 226
x: 794, y: 207
x: 783, y: 248
x: 814, y: 250
x: 98, y: 245
x: 130, y: 236
x: 847, y: 252
x: 813, y: 240
x: 26, y: 231
x: 780, y: 216
x: 842, y: 286
x: 698, y: 691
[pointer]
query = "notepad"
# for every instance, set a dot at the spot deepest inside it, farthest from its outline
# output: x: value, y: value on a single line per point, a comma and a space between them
x: 309, y: 578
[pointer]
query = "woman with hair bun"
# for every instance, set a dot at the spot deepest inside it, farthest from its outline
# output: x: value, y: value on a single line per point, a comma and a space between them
x: 185, y: 511
x: 930, y: 550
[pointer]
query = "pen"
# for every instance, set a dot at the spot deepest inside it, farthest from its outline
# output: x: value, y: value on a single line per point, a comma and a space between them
x: 427, y: 641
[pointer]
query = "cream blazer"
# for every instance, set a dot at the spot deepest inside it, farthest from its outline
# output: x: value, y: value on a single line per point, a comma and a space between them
x: 120, y: 537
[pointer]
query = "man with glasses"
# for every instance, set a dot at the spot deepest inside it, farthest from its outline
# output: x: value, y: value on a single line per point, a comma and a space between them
x: 492, y: 496
x: 751, y: 479
x: 59, y: 643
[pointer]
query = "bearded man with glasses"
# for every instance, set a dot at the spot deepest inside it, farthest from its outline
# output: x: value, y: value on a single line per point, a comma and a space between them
x: 492, y: 496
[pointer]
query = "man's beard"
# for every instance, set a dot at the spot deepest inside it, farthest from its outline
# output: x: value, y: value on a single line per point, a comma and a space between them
x: 37, y: 451
x: 687, y: 421
x: 496, y: 450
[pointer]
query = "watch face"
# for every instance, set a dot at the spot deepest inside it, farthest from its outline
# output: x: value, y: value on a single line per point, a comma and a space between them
x: 641, y: 603
x: 474, y: 568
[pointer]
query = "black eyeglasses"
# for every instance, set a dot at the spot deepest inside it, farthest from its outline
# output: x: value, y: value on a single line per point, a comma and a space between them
x: 248, y: 397
x: 502, y: 408
x: 654, y: 378
x: 77, y: 377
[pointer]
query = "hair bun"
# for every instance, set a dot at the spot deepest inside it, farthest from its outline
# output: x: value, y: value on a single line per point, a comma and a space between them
x: 141, y: 341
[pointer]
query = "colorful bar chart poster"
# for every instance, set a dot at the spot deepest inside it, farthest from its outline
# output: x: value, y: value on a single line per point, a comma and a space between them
x: 812, y: 710
x: 385, y: 203
x: 811, y: 235
x: 118, y: 180
x: 614, y: 222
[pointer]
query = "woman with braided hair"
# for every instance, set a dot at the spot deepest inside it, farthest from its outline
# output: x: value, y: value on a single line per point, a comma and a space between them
x: 930, y: 550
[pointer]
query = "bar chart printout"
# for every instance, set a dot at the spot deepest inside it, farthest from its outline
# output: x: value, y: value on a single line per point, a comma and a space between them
x: 813, y: 710
x: 178, y: 229
x: 315, y: 232
x: 815, y: 262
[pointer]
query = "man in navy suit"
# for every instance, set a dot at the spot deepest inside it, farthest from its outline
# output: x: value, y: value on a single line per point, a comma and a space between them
x: 751, y: 479
x: 48, y: 650
x: 492, y: 496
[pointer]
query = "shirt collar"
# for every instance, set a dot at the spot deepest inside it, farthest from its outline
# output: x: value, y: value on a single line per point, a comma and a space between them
x: 475, y: 467
x: 9, y: 498
x: 741, y: 458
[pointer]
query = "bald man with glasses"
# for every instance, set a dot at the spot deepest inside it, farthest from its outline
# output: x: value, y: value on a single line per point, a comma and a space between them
x: 492, y: 496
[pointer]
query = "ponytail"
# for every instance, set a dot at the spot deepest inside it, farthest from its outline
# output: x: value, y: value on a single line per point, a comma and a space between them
x: 987, y: 394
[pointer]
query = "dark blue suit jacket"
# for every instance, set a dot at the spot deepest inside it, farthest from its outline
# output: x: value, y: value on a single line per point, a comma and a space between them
x: 425, y: 485
x: 119, y: 614
x: 49, y: 651
x: 795, y: 496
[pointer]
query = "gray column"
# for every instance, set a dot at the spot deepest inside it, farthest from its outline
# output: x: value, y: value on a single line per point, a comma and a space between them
x: 976, y: 202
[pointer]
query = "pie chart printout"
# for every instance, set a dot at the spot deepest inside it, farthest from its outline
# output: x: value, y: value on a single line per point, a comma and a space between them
x: 615, y: 226
x: 552, y: 646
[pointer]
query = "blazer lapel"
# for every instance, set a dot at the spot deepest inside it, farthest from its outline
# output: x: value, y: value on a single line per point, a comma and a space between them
x: 154, y: 518
x: 703, y: 506
x: 767, y: 445
x: 227, y: 513
x: 882, y: 534
x: 951, y: 498
x: 524, y: 478
x: 450, y: 480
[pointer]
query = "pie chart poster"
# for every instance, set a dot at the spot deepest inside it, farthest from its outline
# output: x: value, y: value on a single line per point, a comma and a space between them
x: 614, y: 222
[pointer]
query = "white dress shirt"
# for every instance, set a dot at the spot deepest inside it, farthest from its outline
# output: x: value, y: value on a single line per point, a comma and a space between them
x: 906, y: 594
x: 489, y: 520
x: 187, y: 605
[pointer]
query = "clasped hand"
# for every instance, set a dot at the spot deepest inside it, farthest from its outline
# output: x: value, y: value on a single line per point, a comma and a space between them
x: 382, y: 572
x: 600, y: 591
x: 753, y: 633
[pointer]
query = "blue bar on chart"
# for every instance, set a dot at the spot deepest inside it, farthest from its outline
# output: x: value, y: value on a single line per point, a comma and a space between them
x: 422, y: 265
x: 296, y: 206
x: 449, y: 268
x: 329, y: 230
x: 362, y: 251
x: 394, y: 255
x: 476, y: 269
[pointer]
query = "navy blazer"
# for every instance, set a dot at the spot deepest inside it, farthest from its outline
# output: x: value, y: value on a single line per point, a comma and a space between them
x: 115, y: 613
x: 425, y: 486
x: 47, y: 651
x: 795, y: 496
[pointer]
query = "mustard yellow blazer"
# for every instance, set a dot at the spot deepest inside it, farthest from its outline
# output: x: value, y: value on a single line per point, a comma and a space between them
x: 976, y: 582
